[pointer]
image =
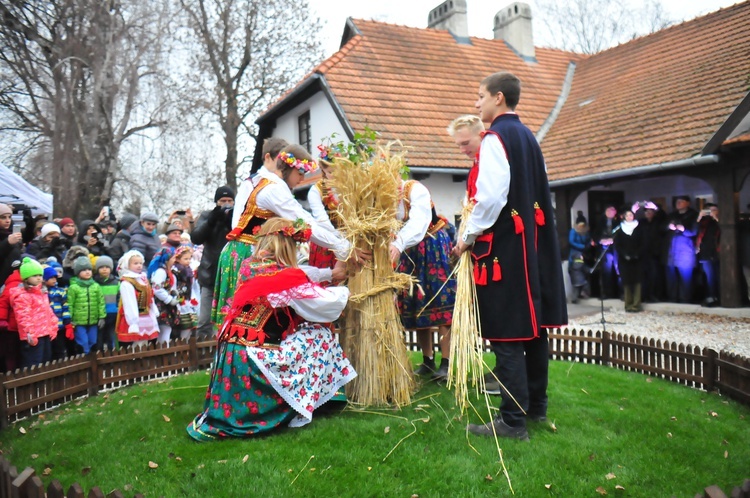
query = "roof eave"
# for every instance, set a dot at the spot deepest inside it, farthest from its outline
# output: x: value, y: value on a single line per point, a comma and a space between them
x: 726, y: 129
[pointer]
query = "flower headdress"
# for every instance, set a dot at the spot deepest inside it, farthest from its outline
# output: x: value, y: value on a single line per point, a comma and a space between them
x: 303, y: 165
x: 298, y: 230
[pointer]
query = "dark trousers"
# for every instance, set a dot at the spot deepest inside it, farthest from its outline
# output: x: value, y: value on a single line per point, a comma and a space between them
x: 711, y: 274
x: 35, y: 355
x: 59, y: 345
x: 610, y: 275
x: 107, y: 334
x: 523, y: 368
x: 680, y: 283
x: 653, y: 279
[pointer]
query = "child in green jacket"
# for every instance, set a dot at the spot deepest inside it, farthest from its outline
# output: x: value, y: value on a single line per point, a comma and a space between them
x: 86, y: 304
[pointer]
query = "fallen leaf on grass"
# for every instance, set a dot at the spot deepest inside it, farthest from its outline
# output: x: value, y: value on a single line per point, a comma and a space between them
x: 369, y: 468
x: 548, y: 486
x: 488, y: 477
x: 553, y: 427
x: 601, y: 491
x: 137, y: 412
x: 584, y: 391
x: 312, y: 469
x: 128, y: 487
x: 166, y: 419
x: 221, y: 461
x: 47, y: 471
x: 85, y: 471
x: 673, y: 418
x: 669, y: 434
x: 619, y: 488
x: 34, y: 456
x: 179, y: 459
x: 713, y: 414
x: 22, y: 430
x: 290, y: 470
x: 386, y: 430
x: 592, y: 456
x: 245, y: 458
x: 649, y: 380
x: 121, y: 402
x: 726, y: 454
x: 610, y: 476
x: 153, y: 465
x: 415, y: 495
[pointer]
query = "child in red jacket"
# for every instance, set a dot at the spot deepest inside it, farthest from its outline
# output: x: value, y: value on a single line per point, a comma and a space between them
x: 9, y: 342
x: 37, y: 323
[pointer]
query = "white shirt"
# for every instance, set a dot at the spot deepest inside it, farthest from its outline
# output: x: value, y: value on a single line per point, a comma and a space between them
x: 243, y: 194
x: 493, y: 185
x: 420, y: 215
x: 327, y: 307
x: 130, y: 304
x: 278, y: 198
x: 318, y: 208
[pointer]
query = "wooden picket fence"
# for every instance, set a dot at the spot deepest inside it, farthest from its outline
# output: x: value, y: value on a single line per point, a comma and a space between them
x: 38, y: 389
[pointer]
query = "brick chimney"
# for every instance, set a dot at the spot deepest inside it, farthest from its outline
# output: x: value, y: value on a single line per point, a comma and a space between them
x: 450, y: 15
x: 513, y: 24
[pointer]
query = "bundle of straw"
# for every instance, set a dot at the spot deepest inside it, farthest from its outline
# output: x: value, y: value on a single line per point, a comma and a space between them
x: 372, y: 335
x: 466, y: 337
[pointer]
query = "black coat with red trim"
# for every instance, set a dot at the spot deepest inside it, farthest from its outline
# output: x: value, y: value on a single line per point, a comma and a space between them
x: 519, y: 275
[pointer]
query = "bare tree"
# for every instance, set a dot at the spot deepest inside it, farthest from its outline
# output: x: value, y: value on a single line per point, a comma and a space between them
x: 73, y: 70
x: 590, y: 26
x: 252, y: 51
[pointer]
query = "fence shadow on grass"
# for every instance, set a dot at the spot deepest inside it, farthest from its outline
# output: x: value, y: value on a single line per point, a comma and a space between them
x: 34, y: 390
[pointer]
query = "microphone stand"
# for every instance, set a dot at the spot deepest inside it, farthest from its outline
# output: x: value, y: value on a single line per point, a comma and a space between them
x: 596, y: 265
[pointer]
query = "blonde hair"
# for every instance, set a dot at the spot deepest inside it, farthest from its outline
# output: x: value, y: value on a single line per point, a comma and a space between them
x: 273, y: 244
x: 469, y: 121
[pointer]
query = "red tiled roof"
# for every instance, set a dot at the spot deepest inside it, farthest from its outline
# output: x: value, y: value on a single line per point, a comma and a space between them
x: 655, y: 99
x: 739, y: 139
x: 409, y: 83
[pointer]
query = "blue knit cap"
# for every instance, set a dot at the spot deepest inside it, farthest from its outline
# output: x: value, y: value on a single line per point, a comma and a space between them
x: 49, y: 273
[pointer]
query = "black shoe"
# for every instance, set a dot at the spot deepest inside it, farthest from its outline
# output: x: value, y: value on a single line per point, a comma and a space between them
x: 500, y: 428
x: 441, y: 374
x: 536, y: 417
x: 426, y: 368
x: 491, y: 384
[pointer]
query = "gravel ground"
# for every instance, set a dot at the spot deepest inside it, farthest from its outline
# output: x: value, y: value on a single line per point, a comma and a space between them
x: 727, y: 333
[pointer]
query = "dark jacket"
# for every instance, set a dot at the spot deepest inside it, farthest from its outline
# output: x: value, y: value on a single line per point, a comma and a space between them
x: 101, y: 248
x: 146, y: 243
x: 708, y: 239
x: 42, y: 250
x: 630, y: 252
x: 681, y: 244
x: 11, y: 252
x: 211, y: 230
x: 121, y: 242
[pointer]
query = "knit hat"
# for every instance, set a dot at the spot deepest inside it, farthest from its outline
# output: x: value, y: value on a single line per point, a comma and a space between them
x: 104, y: 261
x: 124, y: 262
x: 126, y: 220
x: 81, y: 263
x: 55, y: 266
x: 49, y: 273
x: 174, y: 228
x: 30, y: 268
x: 67, y: 221
x: 49, y: 228
x: 149, y: 216
x: 223, y: 191
x: 5, y: 209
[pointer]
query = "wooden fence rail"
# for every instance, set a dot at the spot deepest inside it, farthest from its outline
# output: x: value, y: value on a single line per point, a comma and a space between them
x: 31, y: 391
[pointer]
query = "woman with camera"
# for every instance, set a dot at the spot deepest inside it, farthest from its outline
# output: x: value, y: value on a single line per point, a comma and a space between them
x: 91, y: 237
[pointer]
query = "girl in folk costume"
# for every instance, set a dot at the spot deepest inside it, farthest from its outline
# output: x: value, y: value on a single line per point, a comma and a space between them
x: 323, y: 202
x: 164, y: 283
x: 137, y: 314
x: 277, y: 361
x: 271, y: 196
x: 188, y: 291
x: 421, y: 249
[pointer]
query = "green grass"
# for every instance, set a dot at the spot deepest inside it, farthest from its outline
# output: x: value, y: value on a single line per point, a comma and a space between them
x: 656, y: 438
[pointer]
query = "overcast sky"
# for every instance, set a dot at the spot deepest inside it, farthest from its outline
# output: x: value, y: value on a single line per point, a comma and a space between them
x: 480, y: 13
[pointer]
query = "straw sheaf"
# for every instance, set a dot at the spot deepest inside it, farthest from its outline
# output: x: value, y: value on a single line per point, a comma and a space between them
x: 373, y: 334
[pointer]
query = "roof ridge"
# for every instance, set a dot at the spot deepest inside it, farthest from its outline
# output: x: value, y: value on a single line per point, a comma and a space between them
x: 336, y: 57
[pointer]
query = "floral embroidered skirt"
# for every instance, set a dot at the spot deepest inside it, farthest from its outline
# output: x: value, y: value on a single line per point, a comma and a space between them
x: 230, y: 260
x: 429, y: 263
x: 256, y: 389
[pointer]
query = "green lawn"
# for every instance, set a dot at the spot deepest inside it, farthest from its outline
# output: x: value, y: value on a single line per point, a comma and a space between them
x: 608, y: 431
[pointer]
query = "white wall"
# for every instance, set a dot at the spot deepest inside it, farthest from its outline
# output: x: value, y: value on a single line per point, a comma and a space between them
x: 323, y: 122
x: 446, y: 194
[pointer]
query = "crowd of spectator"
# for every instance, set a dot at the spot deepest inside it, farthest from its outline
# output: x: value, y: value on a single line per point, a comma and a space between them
x: 73, y: 272
x: 640, y: 253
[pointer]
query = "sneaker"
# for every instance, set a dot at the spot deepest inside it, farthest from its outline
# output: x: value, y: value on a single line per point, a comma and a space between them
x: 441, y: 374
x: 491, y: 385
x: 426, y: 368
x: 500, y: 428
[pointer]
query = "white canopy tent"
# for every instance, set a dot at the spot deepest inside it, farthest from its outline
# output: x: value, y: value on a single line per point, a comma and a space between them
x: 16, y: 190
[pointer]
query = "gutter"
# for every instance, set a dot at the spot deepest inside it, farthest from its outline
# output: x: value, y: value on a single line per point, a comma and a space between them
x: 445, y: 171
x: 639, y: 170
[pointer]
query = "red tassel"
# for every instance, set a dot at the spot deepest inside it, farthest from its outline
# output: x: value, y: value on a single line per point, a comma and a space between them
x: 538, y: 214
x: 234, y: 233
x: 483, y: 275
x: 517, y: 221
x: 497, y: 275
x: 476, y: 272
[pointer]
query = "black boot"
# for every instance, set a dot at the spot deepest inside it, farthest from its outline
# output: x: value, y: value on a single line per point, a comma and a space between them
x: 442, y: 373
x: 427, y: 367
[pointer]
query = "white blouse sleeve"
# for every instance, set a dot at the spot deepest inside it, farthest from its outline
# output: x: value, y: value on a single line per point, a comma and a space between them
x: 158, y: 281
x: 420, y: 214
x: 493, y: 184
x: 317, y: 274
x: 318, y: 208
x: 277, y: 198
x: 129, y: 305
x: 325, y: 308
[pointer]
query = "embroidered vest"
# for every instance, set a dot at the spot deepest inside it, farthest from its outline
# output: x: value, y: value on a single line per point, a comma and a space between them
x: 252, y: 216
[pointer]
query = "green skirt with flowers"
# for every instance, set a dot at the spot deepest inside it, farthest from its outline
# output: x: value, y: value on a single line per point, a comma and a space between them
x: 230, y: 260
